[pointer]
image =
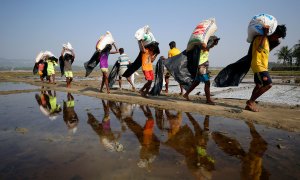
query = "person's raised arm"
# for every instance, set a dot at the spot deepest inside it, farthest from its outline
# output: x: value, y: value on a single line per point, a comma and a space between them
x: 73, y: 54
x: 114, y: 52
x: 141, y: 46
x: 97, y: 45
x: 62, y: 51
x: 153, y: 57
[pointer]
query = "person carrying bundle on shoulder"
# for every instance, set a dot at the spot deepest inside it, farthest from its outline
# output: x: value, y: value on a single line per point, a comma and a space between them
x: 148, y: 57
x: 261, y: 46
x: 103, y: 58
x: 68, y: 56
x: 203, y: 75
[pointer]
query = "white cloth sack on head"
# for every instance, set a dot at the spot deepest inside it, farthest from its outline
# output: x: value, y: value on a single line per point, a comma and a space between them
x: 145, y: 35
x: 104, y: 40
x: 202, y: 32
x: 257, y: 23
x: 39, y: 56
x: 68, y: 46
x: 49, y: 54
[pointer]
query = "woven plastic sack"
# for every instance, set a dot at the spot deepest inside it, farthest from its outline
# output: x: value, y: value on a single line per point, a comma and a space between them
x: 257, y: 23
x: 202, y: 32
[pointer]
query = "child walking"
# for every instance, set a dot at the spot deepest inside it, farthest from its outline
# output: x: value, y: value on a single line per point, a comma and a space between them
x: 148, y: 57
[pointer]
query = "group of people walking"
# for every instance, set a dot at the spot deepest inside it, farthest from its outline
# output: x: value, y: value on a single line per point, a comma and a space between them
x: 259, y: 50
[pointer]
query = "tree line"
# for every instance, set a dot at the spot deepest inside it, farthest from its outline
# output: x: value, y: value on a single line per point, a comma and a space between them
x: 289, y: 56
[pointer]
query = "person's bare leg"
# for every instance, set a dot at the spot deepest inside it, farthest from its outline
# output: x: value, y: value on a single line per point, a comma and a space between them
x: 53, y: 76
x: 142, y: 92
x: 260, y: 92
x: 71, y: 79
x: 68, y: 82
x: 130, y: 82
x: 194, y: 85
x: 120, y: 82
x: 106, y: 83
x: 207, y: 93
x: 256, y: 93
x: 181, y: 89
x: 148, y: 87
x: 102, y: 83
x: 167, y: 84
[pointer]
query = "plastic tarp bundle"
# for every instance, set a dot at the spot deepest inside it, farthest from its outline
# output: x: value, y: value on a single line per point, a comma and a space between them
x: 202, y: 32
x: 92, y: 63
x: 113, y: 74
x: 133, y: 66
x: 138, y: 61
x: 61, y: 65
x: 257, y: 24
x: 104, y: 40
x: 159, y: 75
x: 183, y: 67
x: 233, y: 74
x: 35, y: 68
x: 145, y: 35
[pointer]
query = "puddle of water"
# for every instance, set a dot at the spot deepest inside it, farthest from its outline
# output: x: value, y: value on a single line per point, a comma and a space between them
x: 56, y: 135
x: 9, y: 86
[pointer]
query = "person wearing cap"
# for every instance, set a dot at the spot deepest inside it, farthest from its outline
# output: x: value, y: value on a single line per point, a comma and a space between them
x: 68, y: 56
x: 203, y: 74
x: 172, y: 52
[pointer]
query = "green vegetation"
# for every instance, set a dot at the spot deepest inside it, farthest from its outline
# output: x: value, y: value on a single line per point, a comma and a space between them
x: 289, y: 56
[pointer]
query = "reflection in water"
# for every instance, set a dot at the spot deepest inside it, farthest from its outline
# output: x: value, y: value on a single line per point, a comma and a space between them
x: 149, y: 142
x: 192, y: 145
x: 47, y: 102
x: 70, y: 116
x: 121, y: 111
x: 252, y: 165
x: 103, y: 129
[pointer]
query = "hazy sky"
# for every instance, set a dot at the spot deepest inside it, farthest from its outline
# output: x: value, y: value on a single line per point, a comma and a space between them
x: 29, y: 26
